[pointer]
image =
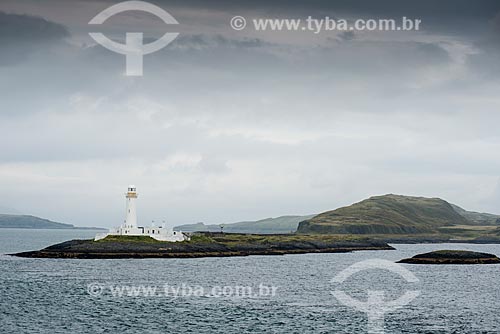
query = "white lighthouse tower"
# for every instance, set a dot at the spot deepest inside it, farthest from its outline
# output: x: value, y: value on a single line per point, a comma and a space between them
x: 130, y: 227
x: 131, y: 213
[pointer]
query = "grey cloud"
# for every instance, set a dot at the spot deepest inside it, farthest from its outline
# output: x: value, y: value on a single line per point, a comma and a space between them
x: 22, y: 35
x: 432, y: 52
x: 444, y: 8
x: 484, y: 64
x: 347, y: 36
x: 295, y: 124
x: 217, y: 40
x: 25, y: 28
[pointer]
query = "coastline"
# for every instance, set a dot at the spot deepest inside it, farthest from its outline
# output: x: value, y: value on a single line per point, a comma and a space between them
x: 206, y: 245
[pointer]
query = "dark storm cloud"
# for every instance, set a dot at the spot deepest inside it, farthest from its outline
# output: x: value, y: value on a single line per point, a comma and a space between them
x: 29, y: 29
x: 21, y: 35
x: 454, y: 17
x: 444, y: 8
x: 485, y: 61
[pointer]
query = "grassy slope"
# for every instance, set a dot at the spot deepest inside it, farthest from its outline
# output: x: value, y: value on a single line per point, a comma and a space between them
x: 207, y: 245
x: 229, y: 238
x: 389, y: 214
x: 478, y: 218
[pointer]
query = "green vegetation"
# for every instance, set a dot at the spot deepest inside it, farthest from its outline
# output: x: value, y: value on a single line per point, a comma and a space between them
x: 476, y: 218
x: 380, y: 216
x: 390, y: 217
x: 234, y: 238
x: 206, y: 244
x: 466, y: 231
x: 389, y: 214
x: 200, y: 238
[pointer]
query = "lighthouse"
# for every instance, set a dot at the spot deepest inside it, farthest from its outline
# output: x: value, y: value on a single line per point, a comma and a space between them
x: 130, y: 228
x: 131, y: 213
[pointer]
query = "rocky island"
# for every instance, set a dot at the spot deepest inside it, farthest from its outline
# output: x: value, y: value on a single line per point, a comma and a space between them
x: 205, y: 245
x: 452, y: 257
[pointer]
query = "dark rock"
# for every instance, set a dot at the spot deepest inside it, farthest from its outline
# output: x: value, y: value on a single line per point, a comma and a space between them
x: 452, y: 257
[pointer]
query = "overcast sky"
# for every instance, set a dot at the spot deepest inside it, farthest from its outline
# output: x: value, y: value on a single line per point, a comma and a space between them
x: 232, y: 125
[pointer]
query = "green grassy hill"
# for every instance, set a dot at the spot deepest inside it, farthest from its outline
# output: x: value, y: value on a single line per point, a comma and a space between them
x: 478, y: 218
x: 279, y: 225
x: 388, y: 214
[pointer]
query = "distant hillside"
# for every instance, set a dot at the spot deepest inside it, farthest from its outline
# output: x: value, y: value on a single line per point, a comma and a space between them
x: 32, y: 222
x: 478, y: 218
x: 388, y: 214
x: 284, y: 224
x: 198, y: 227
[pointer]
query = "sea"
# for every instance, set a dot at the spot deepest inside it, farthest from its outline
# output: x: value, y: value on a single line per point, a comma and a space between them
x: 254, y: 294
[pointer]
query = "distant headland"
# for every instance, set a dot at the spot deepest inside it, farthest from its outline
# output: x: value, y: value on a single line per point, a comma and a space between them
x: 32, y: 222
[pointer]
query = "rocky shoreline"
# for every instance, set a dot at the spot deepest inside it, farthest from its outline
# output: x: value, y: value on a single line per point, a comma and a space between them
x: 205, y: 246
x: 452, y: 257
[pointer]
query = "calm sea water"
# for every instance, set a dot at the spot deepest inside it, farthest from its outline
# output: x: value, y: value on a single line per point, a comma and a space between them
x: 52, y: 296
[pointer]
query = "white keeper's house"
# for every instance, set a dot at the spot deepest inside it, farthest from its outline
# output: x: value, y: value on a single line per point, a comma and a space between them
x: 130, y: 227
